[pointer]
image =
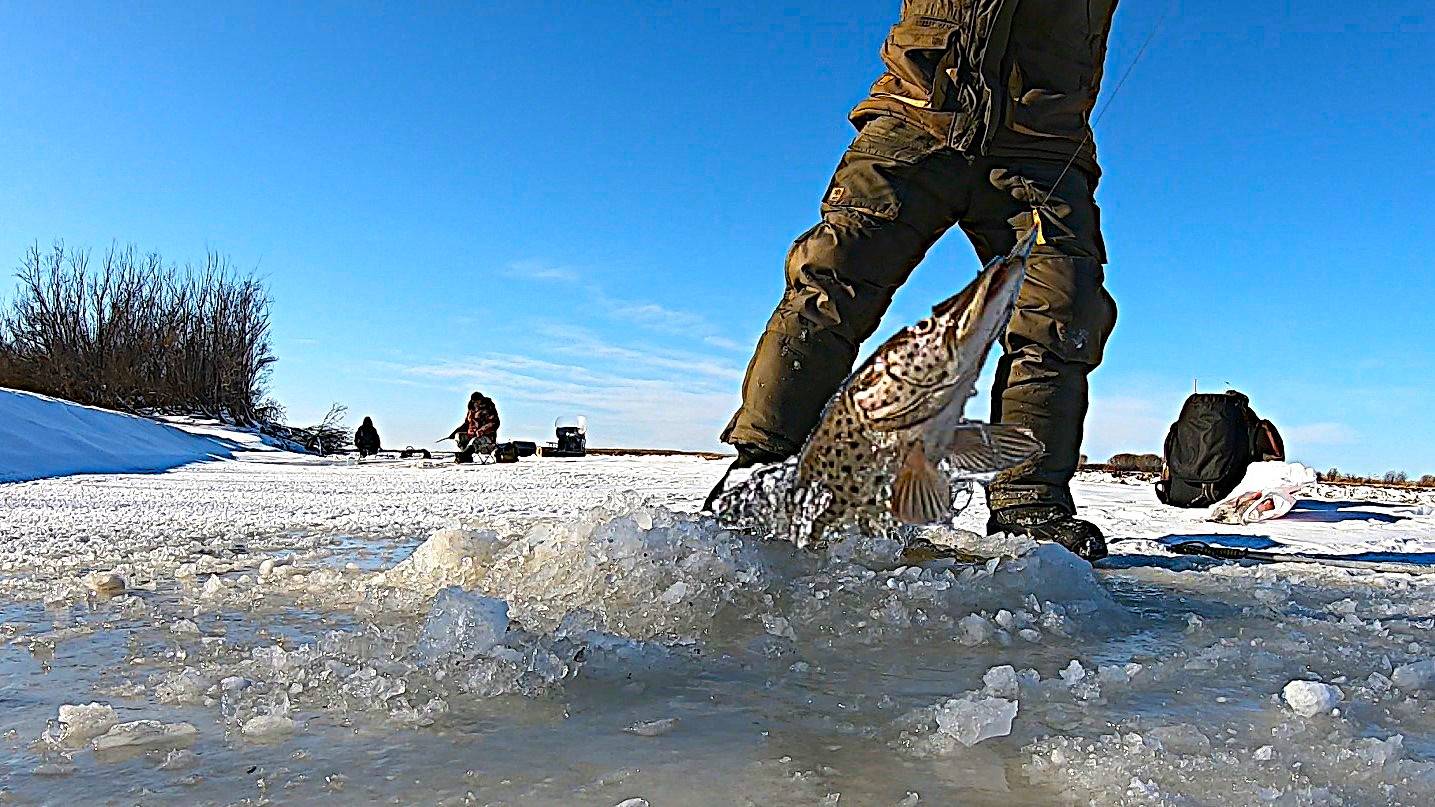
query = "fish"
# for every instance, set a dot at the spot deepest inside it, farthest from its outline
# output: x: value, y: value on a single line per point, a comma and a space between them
x: 892, y: 440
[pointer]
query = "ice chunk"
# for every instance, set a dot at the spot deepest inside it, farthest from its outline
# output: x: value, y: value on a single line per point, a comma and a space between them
x: 1114, y: 674
x: 1381, y: 752
x: 147, y: 734
x: 81, y: 722
x: 974, y: 629
x: 1182, y: 738
x: 267, y: 727
x: 1265, y: 753
x: 448, y: 558
x: 1073, y: 673
x: 1418, y: 675
x: 675, y: 593
x: 105, y: 583
x: 778, y: 626
x: 179, y: 760
x: 1310, y: 698
x: 632, y: 803
x: 235, y: 683
x: 1143, y: 788
x: 654, y: 728
x: 186, y: 686
x: 213, y: 587
x: 463, y: 625
x: 1002, y: 681
x: 971, y: 719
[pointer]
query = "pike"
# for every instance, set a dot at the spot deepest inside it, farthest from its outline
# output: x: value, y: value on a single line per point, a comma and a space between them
x: 892, y: 439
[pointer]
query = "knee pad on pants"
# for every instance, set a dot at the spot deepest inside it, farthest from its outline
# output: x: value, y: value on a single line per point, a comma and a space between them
x: 1064, y: 308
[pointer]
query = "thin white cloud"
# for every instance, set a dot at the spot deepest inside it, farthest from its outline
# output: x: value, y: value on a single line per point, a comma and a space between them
x: 623, y: 410
x: 1320, y: 434
x: 568, y: 340
x: 635, y: 394
x: 648, y: 314
x: 723, y: 343
x: 1126, y: 423
x: 655, y: 316
x: 537, y: 270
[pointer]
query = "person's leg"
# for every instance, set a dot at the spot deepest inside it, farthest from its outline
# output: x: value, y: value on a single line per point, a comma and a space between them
x: 1058, y: 331
x: 893, y: 195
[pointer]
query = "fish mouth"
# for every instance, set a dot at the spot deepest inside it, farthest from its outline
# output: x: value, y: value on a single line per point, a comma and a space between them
x: 991, y: 305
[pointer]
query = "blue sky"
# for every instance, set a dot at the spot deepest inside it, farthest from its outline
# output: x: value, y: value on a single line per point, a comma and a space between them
x: 584, y: 207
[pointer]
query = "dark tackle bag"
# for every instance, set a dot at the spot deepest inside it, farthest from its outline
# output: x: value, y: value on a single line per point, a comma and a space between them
x: 1210, y: 446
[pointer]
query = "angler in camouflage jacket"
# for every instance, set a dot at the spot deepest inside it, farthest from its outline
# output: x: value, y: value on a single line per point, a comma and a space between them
x: 982, y: 106
x: 480, y: 423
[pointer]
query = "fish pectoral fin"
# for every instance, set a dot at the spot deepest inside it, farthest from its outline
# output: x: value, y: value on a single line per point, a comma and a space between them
x: 987, y: 448
x: 921, y: 493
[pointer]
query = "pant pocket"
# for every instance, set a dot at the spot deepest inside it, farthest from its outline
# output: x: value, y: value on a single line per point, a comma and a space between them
x: 873, y: 170
x: 1064, y: 308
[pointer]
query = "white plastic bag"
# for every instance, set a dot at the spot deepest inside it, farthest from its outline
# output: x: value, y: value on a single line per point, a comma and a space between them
x: 1269, y: 490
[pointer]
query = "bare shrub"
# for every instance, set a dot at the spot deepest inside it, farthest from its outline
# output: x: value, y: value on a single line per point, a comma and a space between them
x: 1148, y: 463
x: 138, y: 335
x: 327, y: 436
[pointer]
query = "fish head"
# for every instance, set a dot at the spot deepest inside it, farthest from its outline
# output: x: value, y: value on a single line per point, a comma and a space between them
x: 982, y: 312
x: 925, y: 368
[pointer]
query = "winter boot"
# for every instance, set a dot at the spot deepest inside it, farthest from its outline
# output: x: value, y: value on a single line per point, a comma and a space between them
x: 1048, y: 522
x: 748, y: 456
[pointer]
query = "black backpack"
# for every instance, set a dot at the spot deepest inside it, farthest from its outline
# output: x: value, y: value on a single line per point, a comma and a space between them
x: 1209, y: 447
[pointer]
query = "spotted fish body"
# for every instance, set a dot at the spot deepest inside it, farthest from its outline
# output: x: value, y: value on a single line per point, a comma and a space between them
x: 892, y: 440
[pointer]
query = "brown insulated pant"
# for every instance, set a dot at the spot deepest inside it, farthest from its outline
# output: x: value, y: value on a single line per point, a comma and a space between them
x: 896, y: 191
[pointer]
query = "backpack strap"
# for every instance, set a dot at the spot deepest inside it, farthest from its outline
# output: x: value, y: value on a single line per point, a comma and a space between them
x: 1163, y: 490
x: 1269, y: 445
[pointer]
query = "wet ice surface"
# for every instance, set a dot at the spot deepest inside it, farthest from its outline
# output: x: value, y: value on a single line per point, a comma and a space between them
x: 572, y: 634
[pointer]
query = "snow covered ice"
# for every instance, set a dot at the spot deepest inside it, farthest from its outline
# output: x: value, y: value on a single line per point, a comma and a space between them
x: 571, y: 632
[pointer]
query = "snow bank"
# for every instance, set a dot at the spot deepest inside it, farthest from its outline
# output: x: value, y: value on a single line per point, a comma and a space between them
x: 42, y: 437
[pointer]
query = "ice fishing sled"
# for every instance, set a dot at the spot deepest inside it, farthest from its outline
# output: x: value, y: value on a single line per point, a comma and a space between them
x: 572, y: 438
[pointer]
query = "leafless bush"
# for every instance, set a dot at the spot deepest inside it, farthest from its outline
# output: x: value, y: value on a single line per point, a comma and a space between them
x: 138, y: 335
x: 1149, y: 463
x: 1396, y: 478
x: 326, y: 437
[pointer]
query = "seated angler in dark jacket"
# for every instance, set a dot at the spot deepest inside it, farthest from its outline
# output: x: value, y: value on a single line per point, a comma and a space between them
x: 366, y: 439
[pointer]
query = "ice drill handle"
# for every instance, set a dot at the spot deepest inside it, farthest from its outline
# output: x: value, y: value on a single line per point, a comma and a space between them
x: 1203, y: 548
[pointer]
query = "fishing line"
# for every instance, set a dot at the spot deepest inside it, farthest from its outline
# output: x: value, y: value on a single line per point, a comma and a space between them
x: 1110, y: 99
